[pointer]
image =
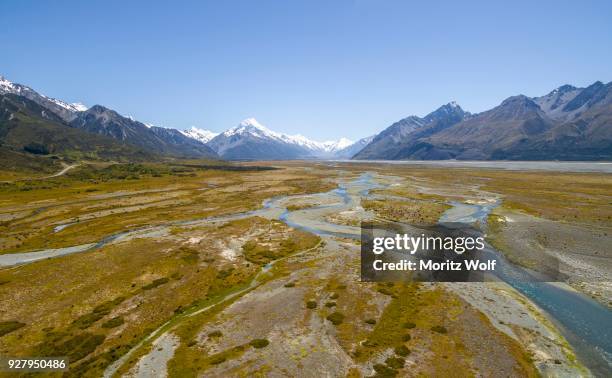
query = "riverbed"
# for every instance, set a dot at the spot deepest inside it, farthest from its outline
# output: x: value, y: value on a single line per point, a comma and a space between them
x: 585, y: 323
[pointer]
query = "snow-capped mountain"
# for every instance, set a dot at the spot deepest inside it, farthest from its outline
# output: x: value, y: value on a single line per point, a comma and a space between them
x: 201, y: 135
x: 63, y: 109
x: 354, y: 148
x: 251, y: 140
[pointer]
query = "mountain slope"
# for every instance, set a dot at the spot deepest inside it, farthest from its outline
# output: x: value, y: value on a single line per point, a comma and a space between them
x: 397, y: 139
x: 67, y: 112
x: 491, y: 133
x: 568, y: 123
x: 585, y: 135
x: 26, y: 126
x: 103, y: 121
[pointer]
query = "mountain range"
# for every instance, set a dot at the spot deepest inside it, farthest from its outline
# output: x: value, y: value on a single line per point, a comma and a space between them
x: 252, y: 141
x: 249, y: 140
x: 569, y: 123
x: 31, y: 118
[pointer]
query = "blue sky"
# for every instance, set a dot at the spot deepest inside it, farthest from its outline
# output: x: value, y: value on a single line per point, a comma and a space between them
x: 324, y: 69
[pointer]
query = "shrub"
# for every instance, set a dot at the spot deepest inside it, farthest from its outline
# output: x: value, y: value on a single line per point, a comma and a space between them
x: 85, y: 321
x: 371, y: 321
x: 406, y: 337
x: 330, y: 304
x: 290, y: 284
x: 75, y: 348
x: 36, y: 148
x: 409, y: 325
x: 10, y: 326
x: 216, y: 333
x: 402, y: 350
x: 216, y: 360
x: 395, y: 362
x: 156, y: 283
x: 336, y: 318
x: 311, y: 304
x: 259, y: 343
x: 114, y: 322
x: 439, y: 329
x: 223, y: 274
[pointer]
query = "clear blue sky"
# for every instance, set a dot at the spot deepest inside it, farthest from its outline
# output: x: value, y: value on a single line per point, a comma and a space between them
x: 325, y: 69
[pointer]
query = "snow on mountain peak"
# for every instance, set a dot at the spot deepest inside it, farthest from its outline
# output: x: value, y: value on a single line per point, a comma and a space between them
x: 199, y: 134
x: 7, y: 86
x: 341, y: 143
x: 80, y: 107
x: 252, y: 122
x: 253, y: 127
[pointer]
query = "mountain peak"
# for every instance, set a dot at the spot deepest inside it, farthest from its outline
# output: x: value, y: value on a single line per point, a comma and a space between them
x: 519, y: 100
x: 65, y: 110
x: 199, y: 134
x: 98, y: 109
x: 450, y: 110
x: 252, y: 122
x: 253, y: 127
x: 564, y: 88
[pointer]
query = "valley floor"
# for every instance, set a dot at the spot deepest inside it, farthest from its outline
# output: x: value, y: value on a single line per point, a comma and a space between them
x: 180, y: 270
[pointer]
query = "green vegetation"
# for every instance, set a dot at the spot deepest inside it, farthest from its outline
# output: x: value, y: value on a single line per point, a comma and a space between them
x: 27, y: 131
x: 10, y: 326
x: 114, y: 322
x: 156, y: 282
x: 23, y: 165
x: 259, y: 343
x: 439, y: 329
x: 100, y: 311
x: 395, y: 362
x: 402, y: 350
x: 336, y: 318
x: 311, y: 304
x: 293, y: 207
x: 75, y: 347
